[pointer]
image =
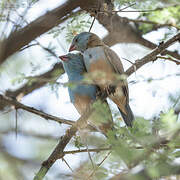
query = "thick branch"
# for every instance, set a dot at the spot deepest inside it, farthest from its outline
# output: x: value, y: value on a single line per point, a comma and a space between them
x: 18, y: 105
x: 44, y: 23
x: 114, y: 38
x: 34, y: 84
x: 26, y: 88
x: 153, y: 55
x: 58, y: 153
x: 10, y: 101
x: 120, y: 31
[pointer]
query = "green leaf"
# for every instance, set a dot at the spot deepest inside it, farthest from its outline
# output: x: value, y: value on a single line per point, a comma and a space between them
x: 169, y: 121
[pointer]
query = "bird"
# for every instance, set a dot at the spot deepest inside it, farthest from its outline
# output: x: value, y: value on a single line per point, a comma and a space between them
x: 82, y: 95
x: 105, y: 68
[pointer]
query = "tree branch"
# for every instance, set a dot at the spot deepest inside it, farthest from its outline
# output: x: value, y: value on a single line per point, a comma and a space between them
x: 120, y: 31
x: 39, y: 26
x: 153, y: 55
x: 58, y: 153
x: 32, y: 85
x: 18, y: 105
x: 86, y: 150
x: 169, y: 59
x: 156, y: 144
x: 156, y: 24
x: 10, y: 101
x: 114, y: 38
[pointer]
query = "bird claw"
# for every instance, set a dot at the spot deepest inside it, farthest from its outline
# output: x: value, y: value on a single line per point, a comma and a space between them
x: 98, y: 93
x: 111, y: 89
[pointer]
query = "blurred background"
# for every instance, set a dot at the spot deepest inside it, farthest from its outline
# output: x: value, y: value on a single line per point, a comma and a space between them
x: 34, y: 77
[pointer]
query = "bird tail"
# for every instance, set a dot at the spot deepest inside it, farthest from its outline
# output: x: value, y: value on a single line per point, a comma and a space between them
x: 129, y: 117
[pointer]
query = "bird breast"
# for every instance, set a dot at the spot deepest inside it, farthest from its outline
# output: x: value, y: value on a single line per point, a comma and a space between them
x: 101, y: 72
x: 91, y: 55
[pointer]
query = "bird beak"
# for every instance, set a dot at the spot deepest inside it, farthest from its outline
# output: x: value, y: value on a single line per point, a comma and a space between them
x: 72, y: 48
x: 63, y: 58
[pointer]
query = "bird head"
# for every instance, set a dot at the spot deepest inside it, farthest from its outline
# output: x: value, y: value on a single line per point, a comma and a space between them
x: 70, y: 57
x: 85, y: 40
x: 73, y: 62
x: 80, y: 42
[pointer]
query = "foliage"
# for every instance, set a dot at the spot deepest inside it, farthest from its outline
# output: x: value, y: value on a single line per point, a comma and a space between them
x: 75, y: 25
x: 155, y: 152
x: 169, y: 15
x: 152, y: 145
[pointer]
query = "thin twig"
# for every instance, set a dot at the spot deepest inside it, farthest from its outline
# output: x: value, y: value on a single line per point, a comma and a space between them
x: 178, y: 99
x: 67, y: 164
x: 170, y: 59
x: 98, y: 165
x: 30, y: 45
x: 16, y: 119
x: 127, y: 7
x: 104, y: 159
x: 89, y: 155
x: 128, y: 61
x: 85, y: 150
x: 92, y: 23
x: 131, y: 63
x: 120, y: 11
x: 159, y: 25
x: 145, y: 11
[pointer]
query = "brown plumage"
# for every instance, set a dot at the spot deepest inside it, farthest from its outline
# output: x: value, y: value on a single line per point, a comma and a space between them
x: 105, y: 66
x: 82, y: 95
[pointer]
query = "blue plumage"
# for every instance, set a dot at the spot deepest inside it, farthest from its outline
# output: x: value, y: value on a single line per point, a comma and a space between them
x: 103, y: 62
x: 82, y: 40
x: 75, y: 68
x: 82, y: 95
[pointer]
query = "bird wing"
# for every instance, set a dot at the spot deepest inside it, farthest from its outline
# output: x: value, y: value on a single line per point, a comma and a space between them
x: 115, y: 62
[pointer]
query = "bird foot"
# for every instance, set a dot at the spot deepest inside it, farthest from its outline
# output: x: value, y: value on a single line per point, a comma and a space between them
x: 111, y: 89
x: 98, y: 93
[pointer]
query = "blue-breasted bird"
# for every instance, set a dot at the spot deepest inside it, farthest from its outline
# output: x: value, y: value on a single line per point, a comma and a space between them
x: 81, y: 95
x: 104, y: 66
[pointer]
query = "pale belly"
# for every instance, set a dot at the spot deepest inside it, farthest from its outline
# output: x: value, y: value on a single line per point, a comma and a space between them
x: 81, y: 103
x: 102, y: 73
x: 98, y: 67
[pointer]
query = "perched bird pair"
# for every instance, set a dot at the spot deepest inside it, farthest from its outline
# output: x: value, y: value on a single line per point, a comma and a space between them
x: 105, y: 68
x: 81, y: 95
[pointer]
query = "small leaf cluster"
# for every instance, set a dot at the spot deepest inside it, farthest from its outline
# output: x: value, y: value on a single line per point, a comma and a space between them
x: 77, y: 25
x: 169, y: 15
x: 154, y: 151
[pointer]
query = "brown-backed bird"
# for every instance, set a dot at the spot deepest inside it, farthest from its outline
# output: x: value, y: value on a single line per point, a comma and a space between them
x: 105, y: 69
x: 82, y: 95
